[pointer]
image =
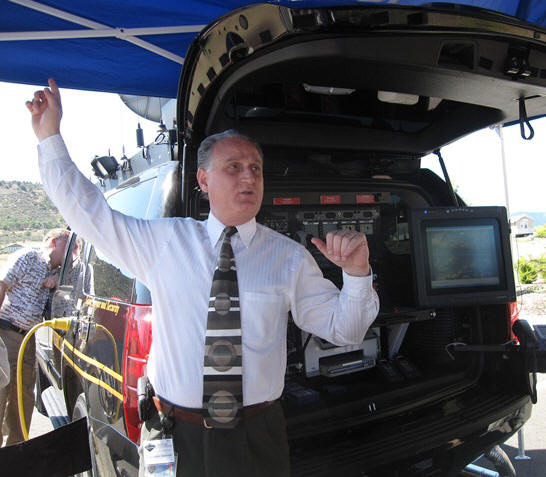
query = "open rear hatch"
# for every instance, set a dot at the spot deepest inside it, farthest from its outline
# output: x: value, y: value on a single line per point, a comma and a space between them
x: 345, y: 102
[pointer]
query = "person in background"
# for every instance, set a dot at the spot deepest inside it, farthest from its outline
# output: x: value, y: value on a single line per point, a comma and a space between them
x: 24, y: 289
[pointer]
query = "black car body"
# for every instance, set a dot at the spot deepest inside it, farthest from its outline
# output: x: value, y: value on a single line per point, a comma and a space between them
x: 344, y: 102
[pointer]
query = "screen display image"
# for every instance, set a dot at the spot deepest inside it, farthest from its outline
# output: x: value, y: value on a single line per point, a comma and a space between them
x: 462, y: 256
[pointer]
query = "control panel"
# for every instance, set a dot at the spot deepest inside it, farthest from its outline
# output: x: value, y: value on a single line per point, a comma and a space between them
x: 302, y: 223
x: 302, y: 216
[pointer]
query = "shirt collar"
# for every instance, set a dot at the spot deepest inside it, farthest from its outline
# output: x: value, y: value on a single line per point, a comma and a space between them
x: 215, y: 228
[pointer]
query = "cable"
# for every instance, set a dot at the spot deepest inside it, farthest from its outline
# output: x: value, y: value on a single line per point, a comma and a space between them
x: 456, y: 343
x: 524, y: 121
x: 460, y: 346
x: 160, y: 138
x: 58, y: 324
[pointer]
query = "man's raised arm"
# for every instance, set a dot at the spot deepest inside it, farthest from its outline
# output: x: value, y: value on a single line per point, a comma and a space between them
x: 80, y: 202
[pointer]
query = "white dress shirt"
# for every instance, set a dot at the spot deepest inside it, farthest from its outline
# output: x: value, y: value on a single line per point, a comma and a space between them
x: 175, y: 258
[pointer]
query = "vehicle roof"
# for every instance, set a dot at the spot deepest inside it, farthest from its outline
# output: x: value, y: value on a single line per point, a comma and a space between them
x: 112, y: 187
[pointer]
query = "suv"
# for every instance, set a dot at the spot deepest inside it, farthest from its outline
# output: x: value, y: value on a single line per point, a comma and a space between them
x: 344, y: 102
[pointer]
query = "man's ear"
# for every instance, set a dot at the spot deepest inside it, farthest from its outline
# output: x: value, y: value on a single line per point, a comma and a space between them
x: 202, y: 179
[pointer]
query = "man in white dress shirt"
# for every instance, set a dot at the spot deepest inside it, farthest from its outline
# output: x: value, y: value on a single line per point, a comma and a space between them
x: 176, y: 259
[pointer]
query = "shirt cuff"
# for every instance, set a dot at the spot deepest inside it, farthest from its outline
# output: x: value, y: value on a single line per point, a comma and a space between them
x: 358, y: 287
x: 52, y: 148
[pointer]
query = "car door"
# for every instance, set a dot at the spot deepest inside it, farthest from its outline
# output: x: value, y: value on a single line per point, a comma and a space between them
x: 63, y: 303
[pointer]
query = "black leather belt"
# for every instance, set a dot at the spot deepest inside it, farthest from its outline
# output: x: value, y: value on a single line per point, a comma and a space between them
x: 196, y: 417
x: 6, y: 325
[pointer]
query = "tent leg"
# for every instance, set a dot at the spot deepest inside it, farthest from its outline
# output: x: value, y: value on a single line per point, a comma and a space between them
x: 521, y: 447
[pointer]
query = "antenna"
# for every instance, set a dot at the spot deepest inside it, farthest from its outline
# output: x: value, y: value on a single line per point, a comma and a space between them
x: 140, y: 140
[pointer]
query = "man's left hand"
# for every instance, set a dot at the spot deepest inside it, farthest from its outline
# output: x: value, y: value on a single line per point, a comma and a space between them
x: 347, y: 249
x: 51, y: 281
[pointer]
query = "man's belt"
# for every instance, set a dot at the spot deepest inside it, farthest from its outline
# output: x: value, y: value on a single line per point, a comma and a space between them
x: 196, y: 417
x: 7, y: 325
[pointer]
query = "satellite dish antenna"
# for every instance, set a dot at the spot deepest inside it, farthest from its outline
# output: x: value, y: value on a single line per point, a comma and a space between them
x: 147, y: 107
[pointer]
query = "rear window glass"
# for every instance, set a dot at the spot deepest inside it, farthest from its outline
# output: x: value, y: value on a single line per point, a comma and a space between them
x: 133, y: 200
x: 142, y: 295
x: 108, y: 280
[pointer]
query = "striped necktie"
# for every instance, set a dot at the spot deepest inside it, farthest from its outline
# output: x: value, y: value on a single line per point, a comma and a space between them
x: 223, y: 380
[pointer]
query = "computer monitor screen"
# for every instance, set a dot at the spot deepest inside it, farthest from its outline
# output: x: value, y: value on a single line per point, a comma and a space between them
x: 461, y: 256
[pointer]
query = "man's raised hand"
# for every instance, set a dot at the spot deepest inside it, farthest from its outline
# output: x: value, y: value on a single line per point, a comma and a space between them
x: 46, y: 111
x: 347, y: 249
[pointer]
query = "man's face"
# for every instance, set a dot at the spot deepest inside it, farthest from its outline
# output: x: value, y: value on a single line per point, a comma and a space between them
x: 57, y: 247
x: 234, y: 181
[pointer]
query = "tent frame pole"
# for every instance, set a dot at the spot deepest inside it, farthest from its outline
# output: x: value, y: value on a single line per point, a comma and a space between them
x: 121, y: 33
x: 99, y: 33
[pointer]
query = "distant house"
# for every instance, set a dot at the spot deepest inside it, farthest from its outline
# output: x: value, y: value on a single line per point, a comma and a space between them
x: 522, y: 225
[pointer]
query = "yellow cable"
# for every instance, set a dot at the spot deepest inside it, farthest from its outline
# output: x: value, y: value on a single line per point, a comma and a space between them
x: 58, y: 324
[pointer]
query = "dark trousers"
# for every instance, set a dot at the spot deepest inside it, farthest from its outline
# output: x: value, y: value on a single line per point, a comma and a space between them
x: 257, y: 447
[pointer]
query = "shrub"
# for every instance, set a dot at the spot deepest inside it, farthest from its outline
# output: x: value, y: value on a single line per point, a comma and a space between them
x: 540, y: 232
x: 527, y: 271
x: 541, y: 265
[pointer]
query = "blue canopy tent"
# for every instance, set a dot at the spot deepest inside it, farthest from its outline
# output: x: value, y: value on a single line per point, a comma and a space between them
x: 137, y: 46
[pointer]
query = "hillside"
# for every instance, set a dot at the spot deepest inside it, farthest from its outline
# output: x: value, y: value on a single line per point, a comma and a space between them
x: 26, y: 212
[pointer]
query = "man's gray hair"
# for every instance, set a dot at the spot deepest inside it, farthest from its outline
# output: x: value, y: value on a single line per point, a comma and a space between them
x: 56, y: 234
x: 204, y: 159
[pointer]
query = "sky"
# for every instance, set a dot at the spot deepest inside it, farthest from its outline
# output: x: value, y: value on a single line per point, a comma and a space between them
x: 475, y: 168
x: 93, y: 124
x: 99, y: 123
